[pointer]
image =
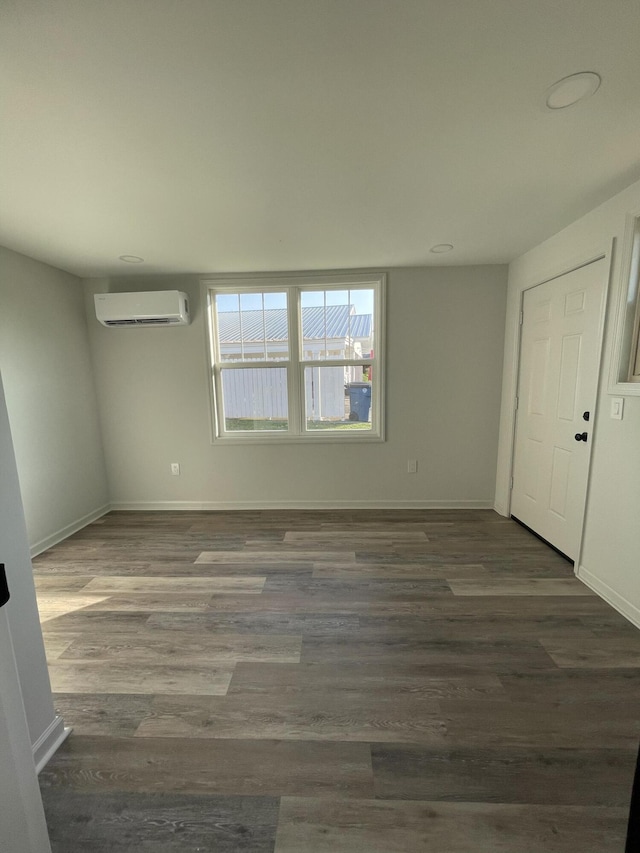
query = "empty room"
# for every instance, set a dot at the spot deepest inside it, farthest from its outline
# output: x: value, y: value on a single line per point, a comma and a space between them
x: 319, y: 426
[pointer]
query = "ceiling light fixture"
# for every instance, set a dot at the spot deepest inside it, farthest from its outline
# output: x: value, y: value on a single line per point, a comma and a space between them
x: 572, y: 89
x: 131, y: 259
x: 441, y: 248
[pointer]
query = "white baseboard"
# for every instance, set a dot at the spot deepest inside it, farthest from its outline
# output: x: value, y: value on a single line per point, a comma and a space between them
x: 49, y: 741
x: 628, y: 610
x: 195, y: 506
x: 70, y: 529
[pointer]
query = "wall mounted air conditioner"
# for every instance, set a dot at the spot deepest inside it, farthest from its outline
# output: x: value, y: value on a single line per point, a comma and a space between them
x: 151, y: 308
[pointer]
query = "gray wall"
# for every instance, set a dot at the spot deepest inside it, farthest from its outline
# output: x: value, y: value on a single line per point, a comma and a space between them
x: 610, y: 556
x: 45, y: 363
x: 445, y: 329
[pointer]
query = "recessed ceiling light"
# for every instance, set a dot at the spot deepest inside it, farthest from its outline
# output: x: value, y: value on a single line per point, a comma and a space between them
x: 131, y: 259
x: 441, y: 248
x: 572, y: 89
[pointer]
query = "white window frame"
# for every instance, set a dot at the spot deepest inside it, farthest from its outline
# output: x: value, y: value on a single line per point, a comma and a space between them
x: 295, y: 365
x: 634, y: 359
x: 623, y: 377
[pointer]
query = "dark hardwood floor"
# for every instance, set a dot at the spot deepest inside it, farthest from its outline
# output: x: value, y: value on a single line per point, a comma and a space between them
x: 333, y: 682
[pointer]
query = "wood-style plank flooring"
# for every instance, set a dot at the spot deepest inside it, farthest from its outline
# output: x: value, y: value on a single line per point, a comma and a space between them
x: 333, y: 682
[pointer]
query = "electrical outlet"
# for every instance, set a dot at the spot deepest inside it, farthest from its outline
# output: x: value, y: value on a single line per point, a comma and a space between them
x: 175, y: 469
x: 412, y: 466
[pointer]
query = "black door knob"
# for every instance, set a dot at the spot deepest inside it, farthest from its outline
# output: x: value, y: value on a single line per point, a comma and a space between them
x: 581, y: 436
x: 4, y: 586
x: 586, y: 416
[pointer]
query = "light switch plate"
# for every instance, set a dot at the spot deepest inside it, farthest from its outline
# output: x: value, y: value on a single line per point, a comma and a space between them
x: 617, y: 408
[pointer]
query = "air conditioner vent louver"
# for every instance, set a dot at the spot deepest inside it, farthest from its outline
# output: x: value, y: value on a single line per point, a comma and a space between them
x: 146, y: 321
x: 150, y: 308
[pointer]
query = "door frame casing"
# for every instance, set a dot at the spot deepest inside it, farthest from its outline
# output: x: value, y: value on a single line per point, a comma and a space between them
x: 606, y: 254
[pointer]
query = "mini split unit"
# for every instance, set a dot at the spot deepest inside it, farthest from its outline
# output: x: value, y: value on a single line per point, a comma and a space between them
x: 153, y: 308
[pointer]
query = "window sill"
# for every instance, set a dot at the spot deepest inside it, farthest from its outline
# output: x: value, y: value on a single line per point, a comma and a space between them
x: 624, y: 389
x: 299, y: 439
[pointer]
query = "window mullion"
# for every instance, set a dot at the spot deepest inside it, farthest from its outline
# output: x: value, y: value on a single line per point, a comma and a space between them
x: 296, y: 407
x: 241, y: 326
x: 337, y: 362
x: 324, y: 315
x: 264, y: 329
x: 254, y: 363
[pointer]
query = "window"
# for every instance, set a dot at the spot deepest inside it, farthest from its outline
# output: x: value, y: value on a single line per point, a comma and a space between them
x: 634, y: 298
x: 633, y: 305
x: 624, y: 376
x: 297, y: 359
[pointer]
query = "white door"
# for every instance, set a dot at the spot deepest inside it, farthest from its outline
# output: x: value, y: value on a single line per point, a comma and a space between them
x: 22, y: 822
x: 557, y: 386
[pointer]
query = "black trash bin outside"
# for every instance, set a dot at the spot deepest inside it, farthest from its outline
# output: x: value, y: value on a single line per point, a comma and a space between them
x: 359, y: 401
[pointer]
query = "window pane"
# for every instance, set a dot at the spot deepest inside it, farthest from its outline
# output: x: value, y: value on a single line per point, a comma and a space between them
x: 338, y: 398
x: 255, y: 399
x: 252, y: 326
x: 337, y: 324
x: 635, y: 375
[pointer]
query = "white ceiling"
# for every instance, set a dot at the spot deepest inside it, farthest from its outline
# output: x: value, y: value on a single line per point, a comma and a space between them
x: 238, y: 135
